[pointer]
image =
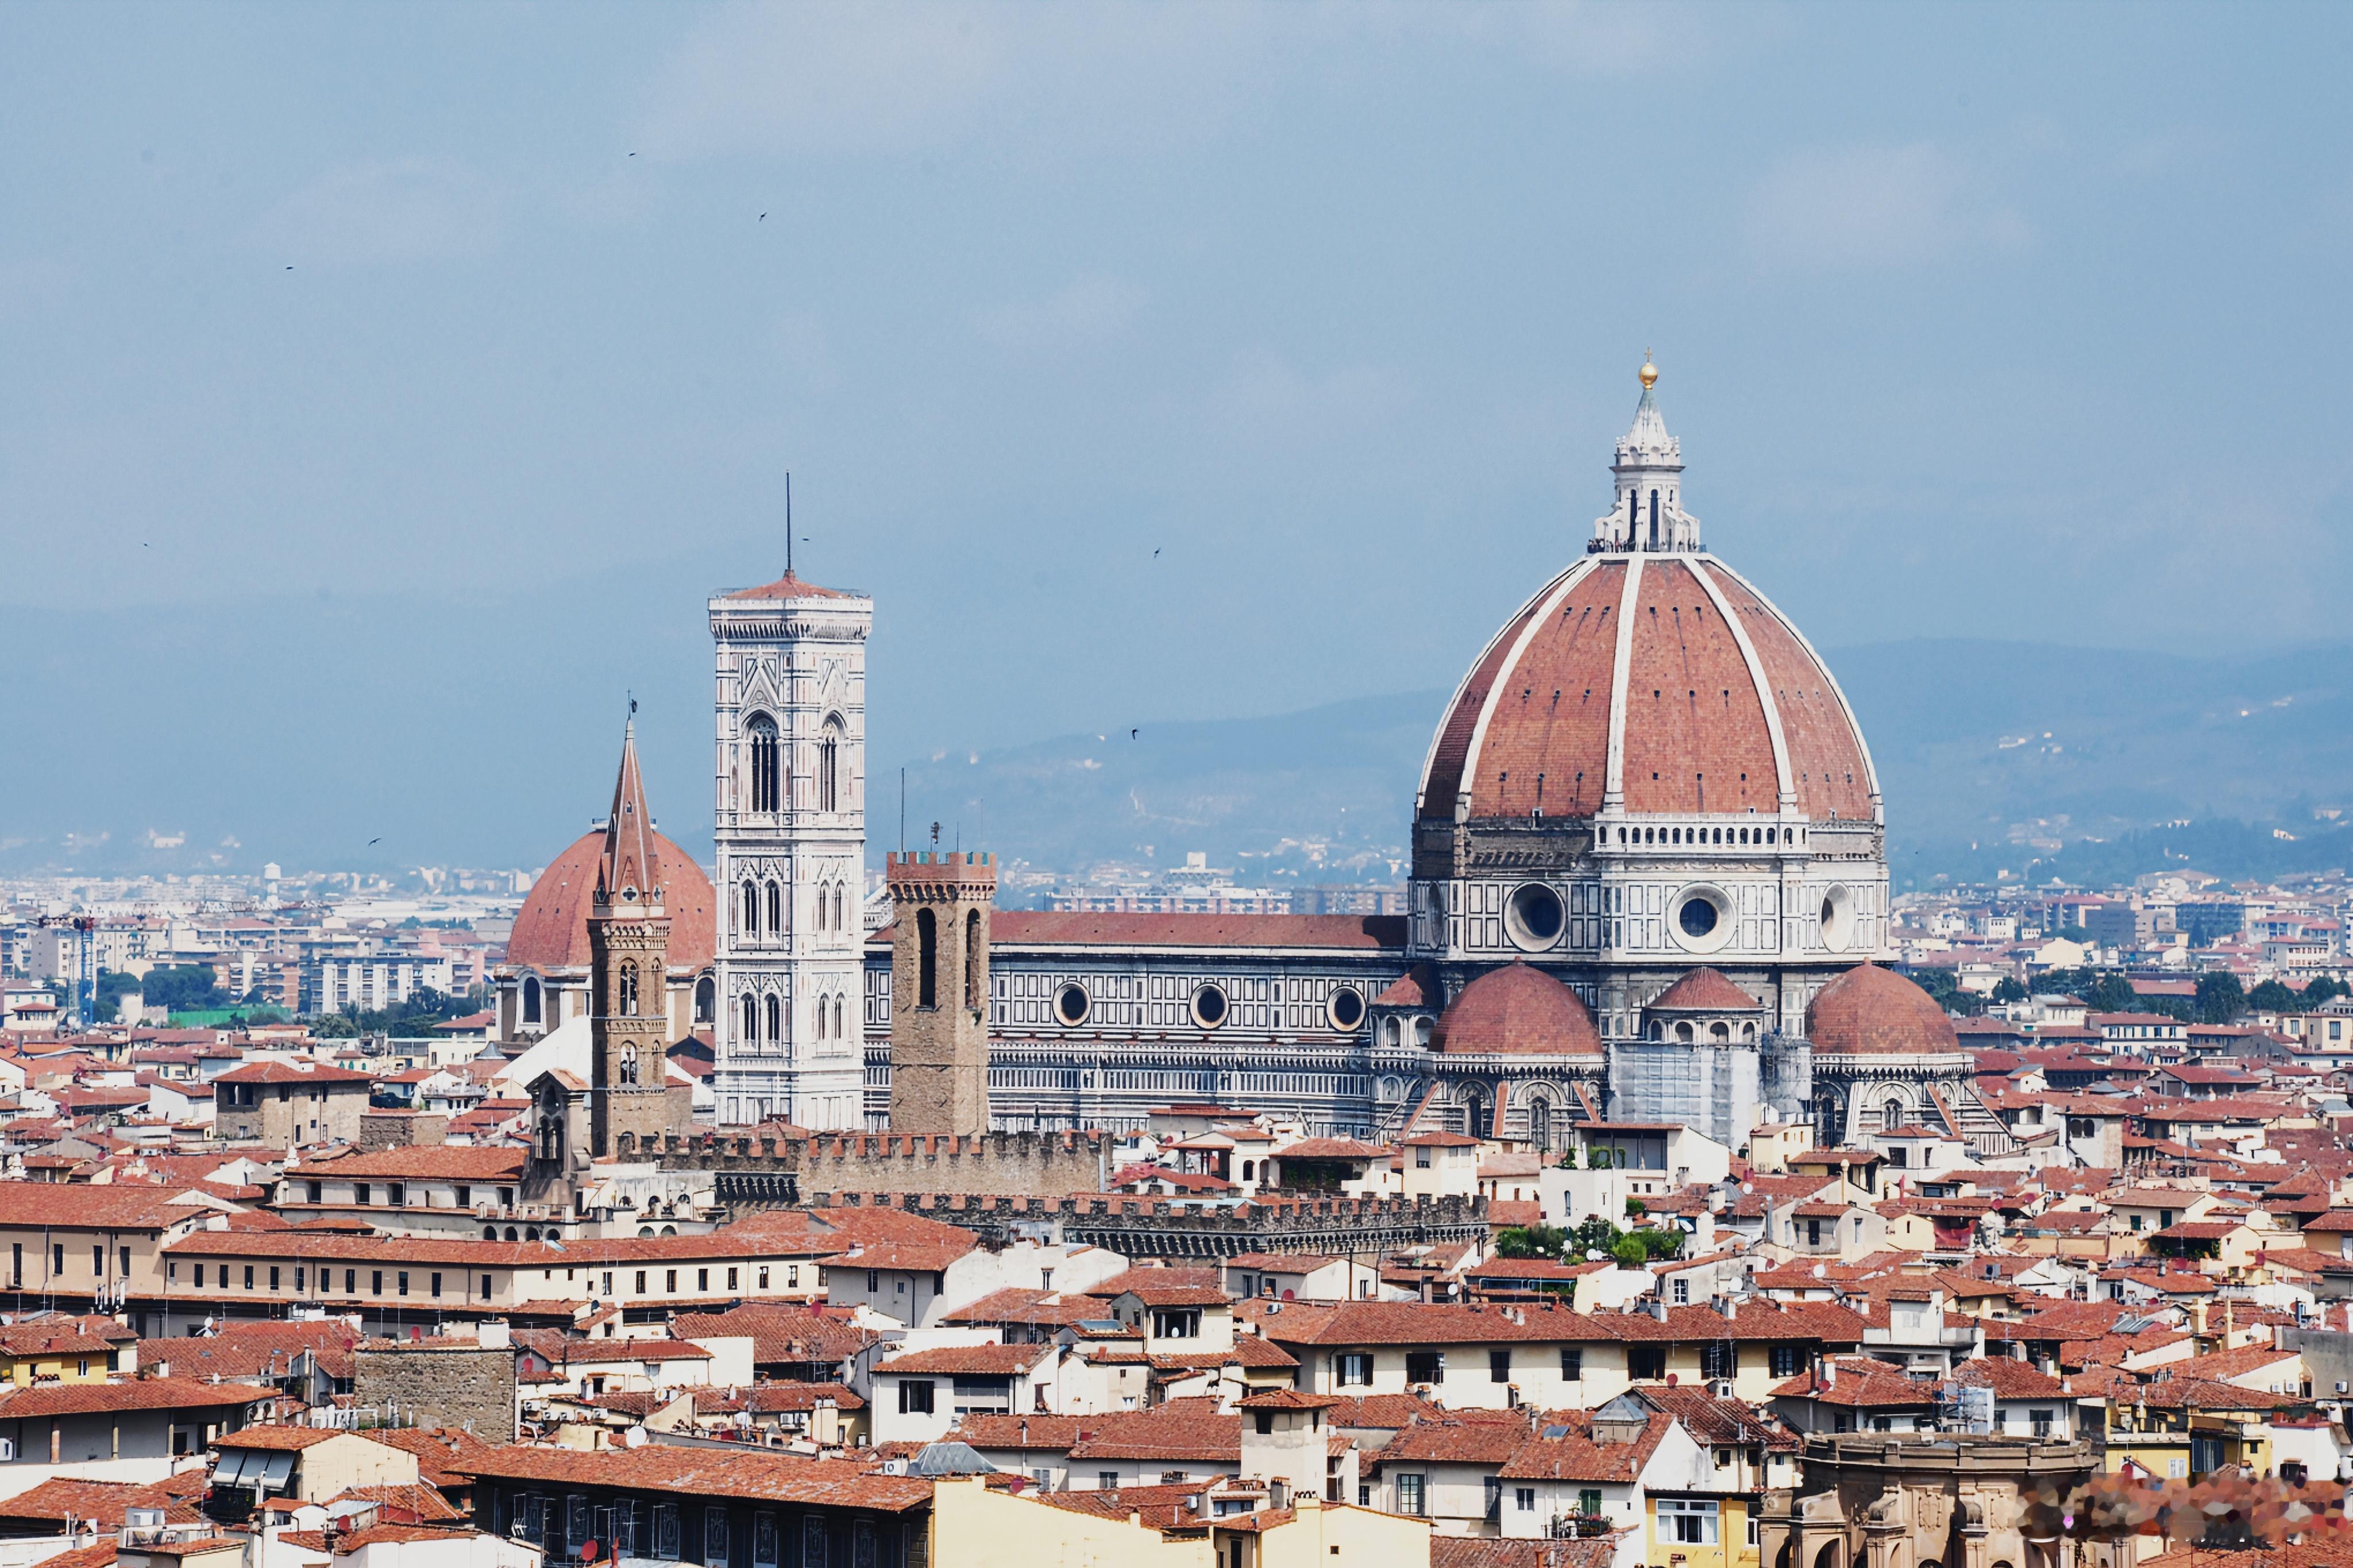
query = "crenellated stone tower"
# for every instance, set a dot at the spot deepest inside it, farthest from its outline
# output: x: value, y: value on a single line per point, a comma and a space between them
x: 629, y: 946
x: 939, y: 992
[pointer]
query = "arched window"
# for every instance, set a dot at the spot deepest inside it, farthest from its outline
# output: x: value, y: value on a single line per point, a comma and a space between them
x: 629, y: 1067
x: 838, y: 1032
x: 767, y: 771
x: 625, y: 995
x: 775, y: 1020
x: 1250, y: 1170
x: 750, y: 1018
x: 706, y: 1001
x: 1891, y: 1115
x: 530, y: 999
x: 776, y: 908
x: 820, y: 1019
x: 1540, y: 1123
x: 840, y: 906
x: 972, y: 969
x: 750, y: 910
x: 828, y: 765
x: 927, y: 959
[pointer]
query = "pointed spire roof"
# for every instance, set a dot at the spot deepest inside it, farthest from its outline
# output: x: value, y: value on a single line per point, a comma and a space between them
x: 1646, y: 443
x: 630, y: 859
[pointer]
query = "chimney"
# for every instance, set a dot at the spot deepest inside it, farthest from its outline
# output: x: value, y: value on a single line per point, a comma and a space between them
x: 1278, y: 1493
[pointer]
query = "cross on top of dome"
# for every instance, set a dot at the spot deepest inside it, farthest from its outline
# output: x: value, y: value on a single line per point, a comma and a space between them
x: 1648, y: 514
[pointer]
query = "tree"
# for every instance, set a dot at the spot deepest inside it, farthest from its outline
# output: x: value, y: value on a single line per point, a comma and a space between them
x: 1595, y: 1234
x: 2219, y: 997
x: 2272, y: 996
x: 1529, y: 1241
x: 2008, y: 989
x: 1629, y: 1252
x: 113, y: 985
x: 182, y: 988
x: 1636, y: 1208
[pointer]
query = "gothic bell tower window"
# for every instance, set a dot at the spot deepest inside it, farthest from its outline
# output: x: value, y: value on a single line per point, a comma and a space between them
x: 626, y: 993
x: 767, y: 773
x: 828, y: 765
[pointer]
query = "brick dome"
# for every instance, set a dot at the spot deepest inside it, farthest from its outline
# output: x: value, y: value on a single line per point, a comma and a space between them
x: 551, y: 929
x: 1704, y: 991
x: 1871, y: 1011
x: 1710, y: 676
x: 1516, y: 1010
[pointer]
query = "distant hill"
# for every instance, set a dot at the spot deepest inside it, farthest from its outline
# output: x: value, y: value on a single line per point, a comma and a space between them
x: 2132, y: 762
x: 301, y: 733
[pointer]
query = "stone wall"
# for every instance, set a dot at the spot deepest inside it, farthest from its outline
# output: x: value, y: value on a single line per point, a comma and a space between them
x: 1007, y: 1165
x: 465, y: 1385
x: 383, y: 1129
x: 1158, y: 1228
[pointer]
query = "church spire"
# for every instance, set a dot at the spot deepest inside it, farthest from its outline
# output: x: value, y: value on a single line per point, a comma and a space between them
x: 1649, y: 466
x: 631, y: 870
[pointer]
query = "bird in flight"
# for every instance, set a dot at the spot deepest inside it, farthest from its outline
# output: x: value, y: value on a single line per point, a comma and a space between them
x: 764, y: 217
x: 376, y: 841
x: 1131, y: 734
x: 1156, y: 554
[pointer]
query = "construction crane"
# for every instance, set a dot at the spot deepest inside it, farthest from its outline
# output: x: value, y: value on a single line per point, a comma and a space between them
x: 85, y: 973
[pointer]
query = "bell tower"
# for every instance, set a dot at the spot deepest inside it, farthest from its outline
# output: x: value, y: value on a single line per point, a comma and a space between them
x: 628, y: 956
x: 939, y: 992
x: 789, y: 822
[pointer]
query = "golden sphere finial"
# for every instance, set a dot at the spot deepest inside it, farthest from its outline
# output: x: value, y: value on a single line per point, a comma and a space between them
x: 1650, y: 371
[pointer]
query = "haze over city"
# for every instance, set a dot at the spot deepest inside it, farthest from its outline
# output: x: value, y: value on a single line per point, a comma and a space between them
x: 1242, y: 785
x: 406, y: 379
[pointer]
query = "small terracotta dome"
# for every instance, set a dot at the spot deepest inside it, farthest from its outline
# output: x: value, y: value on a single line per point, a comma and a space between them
x: 551, y: 929
x: 1518, y: 1011
x: 1871, y: 1011
x: 1416, y: 987
x: 1704, y: 991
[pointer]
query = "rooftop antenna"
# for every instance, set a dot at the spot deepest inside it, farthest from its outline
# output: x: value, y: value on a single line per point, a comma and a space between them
x: 902, y: 811
x: 788, y: 522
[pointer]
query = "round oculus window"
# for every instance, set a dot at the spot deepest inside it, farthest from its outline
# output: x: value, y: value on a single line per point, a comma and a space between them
x: 1072, y: 1004
x: 1209, y: 1006
x: 1838, y: 919
x: 1347, y: 1009
x: 1533, y: 917
x: 1699, y: 919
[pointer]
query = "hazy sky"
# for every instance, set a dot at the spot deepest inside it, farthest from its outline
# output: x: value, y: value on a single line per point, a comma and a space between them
x: 1990, y: 320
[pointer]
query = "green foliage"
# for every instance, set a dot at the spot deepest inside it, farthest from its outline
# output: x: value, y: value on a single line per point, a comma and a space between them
x: 2221, y: 998
x: 1530, y: 1241
x: 1629, y: 1252
x: 1595, y: 1234
x: 1636, y: 1208
x: 1661, y: 1243
x: 2272, y: 996
x: 182, y: 988
x: 2008, y: 989
x: 413, y: 1017
x: 1946, y: 990
x: 113, y: 986
x: 1597, y: 1158
x: 2075, y: 934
